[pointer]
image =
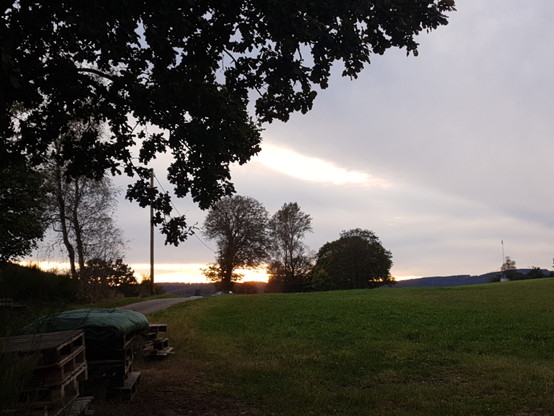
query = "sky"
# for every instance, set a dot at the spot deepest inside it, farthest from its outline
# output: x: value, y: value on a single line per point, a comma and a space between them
x: 443, y: 156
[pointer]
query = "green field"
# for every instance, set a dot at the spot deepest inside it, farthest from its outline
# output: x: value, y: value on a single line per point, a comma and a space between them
x: 474, y: 350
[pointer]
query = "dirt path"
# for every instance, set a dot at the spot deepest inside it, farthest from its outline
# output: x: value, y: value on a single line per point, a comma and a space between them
x: 168, y: 388
x: 149, y: 306
x: 173, y: 387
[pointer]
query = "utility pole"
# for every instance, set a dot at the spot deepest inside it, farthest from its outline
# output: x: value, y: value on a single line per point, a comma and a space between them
x: 151, y: 235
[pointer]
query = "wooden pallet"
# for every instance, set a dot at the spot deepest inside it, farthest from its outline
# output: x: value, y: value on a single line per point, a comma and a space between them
x: 156, y: 328
x: 161, y: 343
x: 111, y: 367
x: 78, y: 407
x: 129, y: 388
x: 59, y: 367
x: 110, y: 372
x: 55, y: 373
x: 52, y: 347
x: 154, y: 346
x: 53, y: 395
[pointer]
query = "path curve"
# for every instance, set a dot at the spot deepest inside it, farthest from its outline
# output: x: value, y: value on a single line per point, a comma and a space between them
x: 154, y: 305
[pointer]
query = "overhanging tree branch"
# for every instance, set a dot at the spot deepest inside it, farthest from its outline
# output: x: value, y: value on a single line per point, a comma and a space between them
x: 97, y: 72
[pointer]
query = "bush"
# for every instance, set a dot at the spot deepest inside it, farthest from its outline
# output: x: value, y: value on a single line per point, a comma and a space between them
x: 30, y: 284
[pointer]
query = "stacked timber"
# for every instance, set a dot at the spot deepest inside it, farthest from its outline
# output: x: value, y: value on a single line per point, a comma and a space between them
x: 156, y: 343
x: 59, y: 365
x: 113, y: 339
x: 111, y: 366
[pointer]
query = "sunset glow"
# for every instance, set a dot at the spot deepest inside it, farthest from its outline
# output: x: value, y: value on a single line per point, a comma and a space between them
x: 190, y: 273
x: 163, y: 273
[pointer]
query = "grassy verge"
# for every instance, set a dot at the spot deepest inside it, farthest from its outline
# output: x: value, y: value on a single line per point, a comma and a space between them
x: 478, y: 350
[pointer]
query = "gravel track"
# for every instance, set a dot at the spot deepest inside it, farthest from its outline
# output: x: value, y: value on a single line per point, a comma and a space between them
x: 154, y: 305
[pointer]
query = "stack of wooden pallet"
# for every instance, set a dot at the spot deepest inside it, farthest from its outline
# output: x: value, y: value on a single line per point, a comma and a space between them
x: 53, y: 388
x: 156, y: 343
x: 111, y: 366
x: 111, y: 337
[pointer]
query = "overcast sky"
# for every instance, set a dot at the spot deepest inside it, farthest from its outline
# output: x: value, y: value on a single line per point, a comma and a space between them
x: 441, y: 155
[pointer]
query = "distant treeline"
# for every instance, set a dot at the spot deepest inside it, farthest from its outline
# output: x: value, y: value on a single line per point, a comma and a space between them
x: 208, y: 289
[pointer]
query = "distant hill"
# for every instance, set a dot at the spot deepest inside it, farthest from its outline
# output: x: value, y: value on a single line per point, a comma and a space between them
x: 208, y: 289
x: 445, y: 281
x: 459, y: 280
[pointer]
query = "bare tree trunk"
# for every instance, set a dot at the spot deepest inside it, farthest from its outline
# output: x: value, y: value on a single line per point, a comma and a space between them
x: 78, y: 230
x: 63, y: 223
x: 227, y: 283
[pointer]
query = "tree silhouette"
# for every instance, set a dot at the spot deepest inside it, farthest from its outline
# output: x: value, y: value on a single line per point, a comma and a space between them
x: 239, y: 225
x: 189, y: 69
x: 357, y: 260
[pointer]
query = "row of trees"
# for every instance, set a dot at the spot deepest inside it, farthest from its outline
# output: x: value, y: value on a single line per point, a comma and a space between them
x: 247, y: 237
x: 79, y: 209
x: 190, y: 69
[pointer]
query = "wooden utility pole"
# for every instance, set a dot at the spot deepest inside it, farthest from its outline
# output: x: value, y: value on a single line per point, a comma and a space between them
x: 152, y: 235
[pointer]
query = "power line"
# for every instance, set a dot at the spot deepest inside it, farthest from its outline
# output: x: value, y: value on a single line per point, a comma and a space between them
x: 203, y: 243
x: 171, y: 201
x: 177, y: 211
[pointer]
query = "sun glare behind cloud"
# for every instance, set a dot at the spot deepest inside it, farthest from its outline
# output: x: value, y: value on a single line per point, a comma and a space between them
x: 308, y: 168
x: 190, y: 273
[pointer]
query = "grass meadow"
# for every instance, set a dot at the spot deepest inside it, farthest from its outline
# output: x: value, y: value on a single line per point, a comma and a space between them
x: 474, y: 350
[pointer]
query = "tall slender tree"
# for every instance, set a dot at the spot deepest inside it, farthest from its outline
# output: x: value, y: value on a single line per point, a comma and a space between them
x: 290, y: 261
x: 82, y: 208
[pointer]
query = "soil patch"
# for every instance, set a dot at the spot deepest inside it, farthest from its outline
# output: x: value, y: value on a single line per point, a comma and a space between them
x: 175, y: 390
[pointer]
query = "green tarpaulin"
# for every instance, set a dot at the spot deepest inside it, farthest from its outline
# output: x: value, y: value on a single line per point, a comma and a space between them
x: 101, y: 326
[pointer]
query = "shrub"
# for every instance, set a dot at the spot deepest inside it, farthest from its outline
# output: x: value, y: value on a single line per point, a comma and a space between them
x: 30, y: 284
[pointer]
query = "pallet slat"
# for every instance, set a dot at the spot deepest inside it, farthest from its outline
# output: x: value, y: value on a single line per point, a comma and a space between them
x: 53, y: 347
x: 129, y: 388
x: 56, y: 373
x: 158, y: 328
x: 55, y: 394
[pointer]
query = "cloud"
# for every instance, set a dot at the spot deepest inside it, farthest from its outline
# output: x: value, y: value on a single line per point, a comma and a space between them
x: 442, y: 155
x: 295, y: 164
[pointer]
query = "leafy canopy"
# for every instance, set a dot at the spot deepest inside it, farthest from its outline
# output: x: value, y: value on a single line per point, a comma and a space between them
x: 178, y: 77
x: 23, y: 219
x: 239, y: 225
x: 290, y: 263
x: 357, y: 260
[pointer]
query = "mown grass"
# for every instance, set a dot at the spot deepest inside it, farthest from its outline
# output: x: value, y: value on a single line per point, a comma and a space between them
x: 477, y: 350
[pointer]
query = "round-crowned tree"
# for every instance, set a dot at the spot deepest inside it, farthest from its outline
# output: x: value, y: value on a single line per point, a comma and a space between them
x: 239, y: 225
x: 356, y: 260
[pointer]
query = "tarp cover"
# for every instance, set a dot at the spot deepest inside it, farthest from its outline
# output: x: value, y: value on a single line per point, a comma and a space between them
x: 100, y: 325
